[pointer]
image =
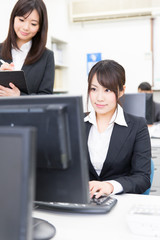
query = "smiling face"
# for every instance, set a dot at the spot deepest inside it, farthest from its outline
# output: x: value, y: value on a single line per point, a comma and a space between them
x: 26, y: 27
x: 102, y: 99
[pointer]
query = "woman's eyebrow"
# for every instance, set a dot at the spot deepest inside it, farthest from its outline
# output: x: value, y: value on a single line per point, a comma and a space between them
x: 34, y: 20
x: 93, y: 85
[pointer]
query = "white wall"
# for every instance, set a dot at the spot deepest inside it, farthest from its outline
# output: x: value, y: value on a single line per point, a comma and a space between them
x: 127, y: 42
x: 58, y: 19
x: 157, y: 51
x: 5, y: 11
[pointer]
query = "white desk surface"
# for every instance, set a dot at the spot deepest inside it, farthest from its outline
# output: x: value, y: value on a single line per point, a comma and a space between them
x: 110, y: 226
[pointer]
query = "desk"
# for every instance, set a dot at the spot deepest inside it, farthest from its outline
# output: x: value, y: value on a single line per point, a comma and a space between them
x: 155, y: 188
x: 111, y: 226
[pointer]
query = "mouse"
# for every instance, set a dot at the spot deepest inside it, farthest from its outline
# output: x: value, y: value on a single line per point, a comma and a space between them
x: 43, y: 230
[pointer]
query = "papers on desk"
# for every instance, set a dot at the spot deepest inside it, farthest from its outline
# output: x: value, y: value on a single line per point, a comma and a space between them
x: 154, y: 131
x: 144, y: 220
x: 155, y: 142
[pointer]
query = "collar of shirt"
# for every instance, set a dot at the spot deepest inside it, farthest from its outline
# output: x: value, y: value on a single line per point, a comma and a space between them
x: 118, y: 117
x: 19, y: 55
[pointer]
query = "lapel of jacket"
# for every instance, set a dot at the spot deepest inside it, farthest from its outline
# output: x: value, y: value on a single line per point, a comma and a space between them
x: 91, y: 168
x: 26, y: 68
x: 118, y: 138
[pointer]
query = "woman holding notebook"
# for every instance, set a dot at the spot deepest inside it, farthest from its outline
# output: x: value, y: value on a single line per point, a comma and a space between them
x: 25, y: 49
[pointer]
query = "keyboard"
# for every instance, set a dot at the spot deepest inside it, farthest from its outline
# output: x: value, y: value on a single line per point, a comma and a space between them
x: 101, y: 205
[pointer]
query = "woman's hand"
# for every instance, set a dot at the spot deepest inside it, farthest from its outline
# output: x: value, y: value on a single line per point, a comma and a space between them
x: 7, y: 66
x: 100, y: 188
x: 9, y: 92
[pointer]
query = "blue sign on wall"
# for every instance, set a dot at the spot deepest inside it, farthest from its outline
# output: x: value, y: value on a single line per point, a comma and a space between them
x: 92, y: 59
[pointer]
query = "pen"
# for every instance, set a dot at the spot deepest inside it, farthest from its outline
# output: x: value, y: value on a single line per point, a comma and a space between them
x: 2, y: 61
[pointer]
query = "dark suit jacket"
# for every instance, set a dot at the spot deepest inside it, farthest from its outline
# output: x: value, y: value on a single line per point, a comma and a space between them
x: 40, y: 75
x: 156, y: 112
x: 129, y: 156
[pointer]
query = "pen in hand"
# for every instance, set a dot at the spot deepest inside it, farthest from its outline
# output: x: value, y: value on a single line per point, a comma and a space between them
x: 7, y: 66
x: 2, y: 61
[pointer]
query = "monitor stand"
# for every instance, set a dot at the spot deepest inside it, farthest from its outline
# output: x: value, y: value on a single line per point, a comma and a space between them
x: 43, y: 230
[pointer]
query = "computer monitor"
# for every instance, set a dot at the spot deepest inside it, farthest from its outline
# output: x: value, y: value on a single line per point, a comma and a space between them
x: 17, y: 165
x: 62, y: 167
x: 139, y: 104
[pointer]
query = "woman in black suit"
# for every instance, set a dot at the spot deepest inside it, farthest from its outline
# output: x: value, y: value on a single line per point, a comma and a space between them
x: 118, y: 143
x: 25, y: 48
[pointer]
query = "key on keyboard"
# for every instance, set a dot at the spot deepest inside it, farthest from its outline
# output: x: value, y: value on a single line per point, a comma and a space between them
x: 100, y: 200
x: 103, y: 206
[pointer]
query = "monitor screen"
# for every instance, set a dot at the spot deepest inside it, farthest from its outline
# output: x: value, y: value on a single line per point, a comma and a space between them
x: 17, y: 165
x: 139, y: 104
x: 62, y: 167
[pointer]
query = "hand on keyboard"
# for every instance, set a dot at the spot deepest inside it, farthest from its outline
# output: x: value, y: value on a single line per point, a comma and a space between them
x: 102, y: 199
x: 100, y: 188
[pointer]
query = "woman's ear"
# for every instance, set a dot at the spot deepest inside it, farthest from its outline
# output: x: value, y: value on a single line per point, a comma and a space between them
x: 122, y: 92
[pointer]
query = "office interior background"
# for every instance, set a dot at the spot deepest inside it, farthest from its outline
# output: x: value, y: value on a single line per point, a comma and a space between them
x: 133, y: 42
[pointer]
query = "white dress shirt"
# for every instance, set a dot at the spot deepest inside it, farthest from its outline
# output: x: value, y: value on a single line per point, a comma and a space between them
x: 19, y: 56
x: 98, y: 143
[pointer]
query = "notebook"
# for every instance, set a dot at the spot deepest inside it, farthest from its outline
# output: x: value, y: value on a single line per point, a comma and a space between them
x: 15, y: 77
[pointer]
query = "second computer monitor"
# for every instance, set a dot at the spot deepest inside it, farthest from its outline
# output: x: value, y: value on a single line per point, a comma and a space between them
x: 17, y: 171
x: 139, y: 104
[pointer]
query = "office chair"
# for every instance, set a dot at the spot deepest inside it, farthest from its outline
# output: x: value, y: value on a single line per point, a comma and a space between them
x: 147, y: 192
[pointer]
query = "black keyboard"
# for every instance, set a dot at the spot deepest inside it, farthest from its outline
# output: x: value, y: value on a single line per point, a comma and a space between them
x: 101, y: 205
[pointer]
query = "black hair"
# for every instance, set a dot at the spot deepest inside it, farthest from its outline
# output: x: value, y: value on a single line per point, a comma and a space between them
x: 145, y: 86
